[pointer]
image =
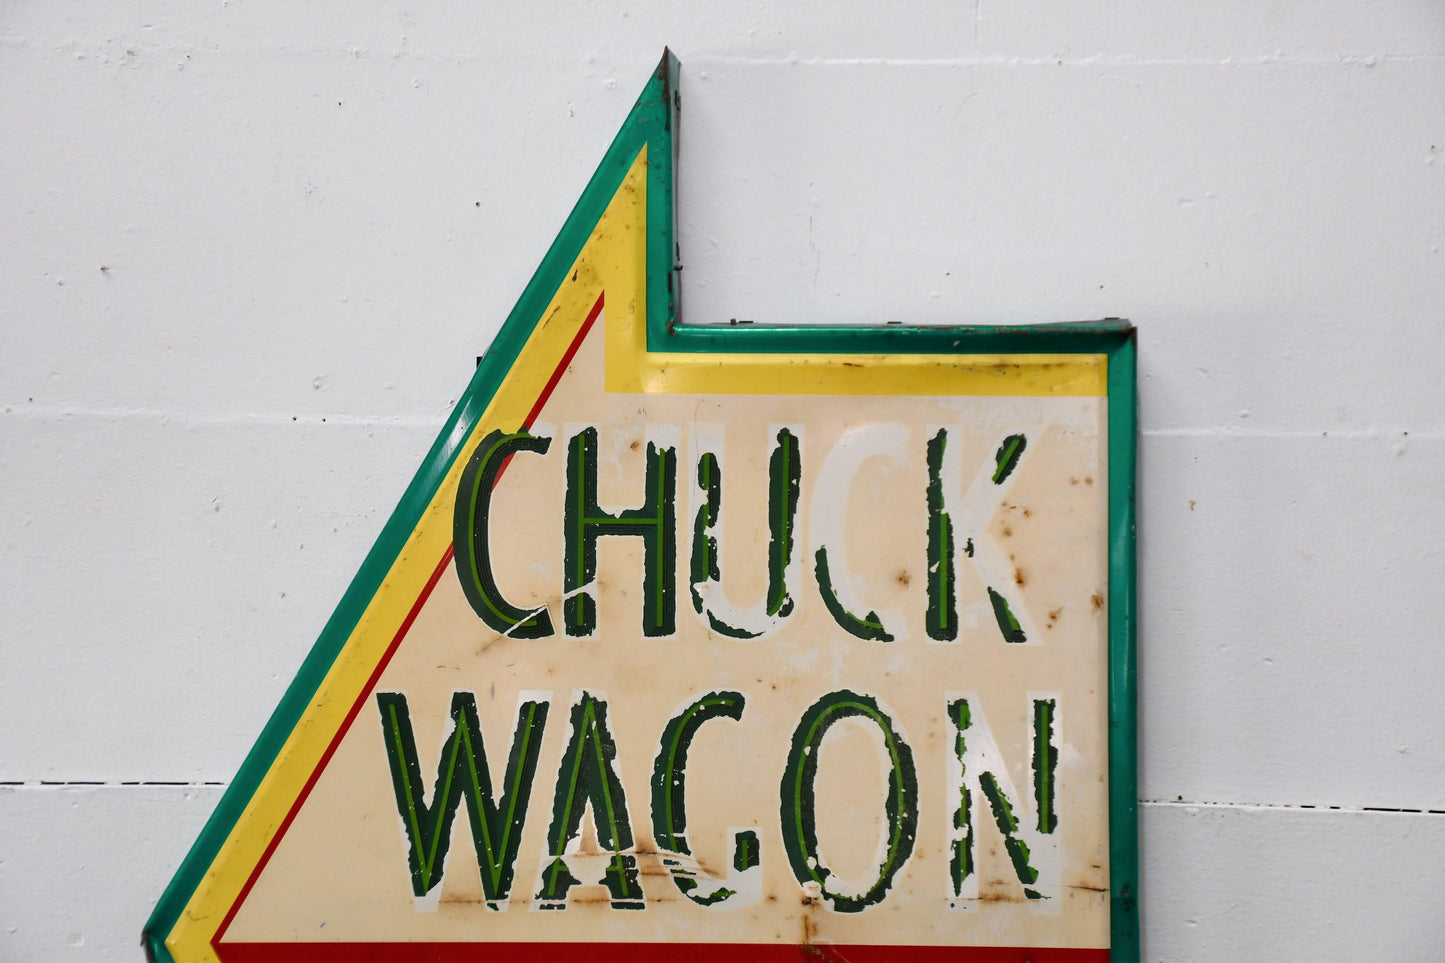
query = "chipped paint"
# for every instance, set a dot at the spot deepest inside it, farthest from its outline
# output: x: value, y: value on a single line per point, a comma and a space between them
x: 763, y: 626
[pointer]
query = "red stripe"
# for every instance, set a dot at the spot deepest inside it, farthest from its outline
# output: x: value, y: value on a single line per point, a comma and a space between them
x: 636, y: 952
x: 385, y: 660
x: 566, y: 360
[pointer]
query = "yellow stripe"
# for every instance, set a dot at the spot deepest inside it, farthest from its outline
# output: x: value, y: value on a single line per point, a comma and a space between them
x: 863, y: 374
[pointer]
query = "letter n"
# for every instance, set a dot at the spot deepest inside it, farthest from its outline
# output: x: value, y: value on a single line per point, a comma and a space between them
x: 978, y: 778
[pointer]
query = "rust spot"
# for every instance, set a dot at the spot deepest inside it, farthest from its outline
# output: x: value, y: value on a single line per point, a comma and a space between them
x: 812, y: 897
x: 1018, y: 576
x: 635, y: 444
x: 1097, y: 600
x: 904, y: 578
x: 709, y: 870
x: 998, y: 891
x: 487, y: 644
x: 1073, y: 480
x: 1027, y: 513
x: 1088, y: 480
x: 462, y: 900
x: 1007, y: 531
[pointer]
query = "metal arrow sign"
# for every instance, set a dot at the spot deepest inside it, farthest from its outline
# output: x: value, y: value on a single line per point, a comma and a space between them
x: 716, y: 642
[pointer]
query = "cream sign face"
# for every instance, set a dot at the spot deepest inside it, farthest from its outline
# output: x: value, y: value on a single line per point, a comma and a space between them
x: 713, y: 642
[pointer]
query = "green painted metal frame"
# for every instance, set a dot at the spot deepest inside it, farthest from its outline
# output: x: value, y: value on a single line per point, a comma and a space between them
x: 651, y: 123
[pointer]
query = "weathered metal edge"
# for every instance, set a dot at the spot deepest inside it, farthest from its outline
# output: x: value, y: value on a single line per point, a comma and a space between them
x: 647, y: 121
x: 1124, y: 946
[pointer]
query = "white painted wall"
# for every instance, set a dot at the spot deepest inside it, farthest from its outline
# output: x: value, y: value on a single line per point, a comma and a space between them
x: 251, y: 250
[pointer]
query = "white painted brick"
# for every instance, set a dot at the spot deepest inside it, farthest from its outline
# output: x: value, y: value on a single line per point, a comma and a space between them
x: 315, y: 236
x: 1233, y: 30
x: 82, y: 888
x: 165, y: 581
x: 1226, y: 884
x: 1289, y: 641
x: 570, y: 30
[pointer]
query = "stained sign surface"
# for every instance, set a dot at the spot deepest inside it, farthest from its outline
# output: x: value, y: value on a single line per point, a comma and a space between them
x: 716, y: 641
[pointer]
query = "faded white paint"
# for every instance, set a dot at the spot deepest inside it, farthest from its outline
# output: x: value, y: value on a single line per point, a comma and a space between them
x: 828, y: 513
x: 753, y: 619
x: 221, y: 218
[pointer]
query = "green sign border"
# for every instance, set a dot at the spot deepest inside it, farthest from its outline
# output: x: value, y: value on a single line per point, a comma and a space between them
x: 651, y: 122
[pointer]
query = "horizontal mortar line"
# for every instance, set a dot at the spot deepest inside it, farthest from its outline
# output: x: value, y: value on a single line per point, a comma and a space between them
x: 1348, y: 434
x: 165, y: 415
x: 110, y: 784
x: 1297, y: 808
x: 1088, y: 60
x: 116, y: 47
x: 1290, y: 807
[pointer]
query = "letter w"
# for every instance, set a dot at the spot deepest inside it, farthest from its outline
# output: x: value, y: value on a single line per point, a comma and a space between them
x: 462, y: 771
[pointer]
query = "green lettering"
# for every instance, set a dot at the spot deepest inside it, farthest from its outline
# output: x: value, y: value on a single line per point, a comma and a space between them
x: 869, y: 627
x: 960, y: 865
x: 469, y: 535
x: 1046, y: 764
x: 942, y: 617
x: 655, y: 522
x: 1045, y: 759
x: 797, y: 812
x: 669, y: 813
x: 784, y: 480
x: 1006, y: 459
x: 588, y: 776
x: 462, y: 772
